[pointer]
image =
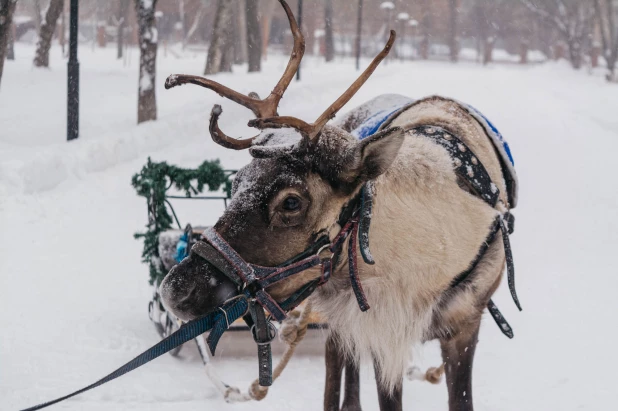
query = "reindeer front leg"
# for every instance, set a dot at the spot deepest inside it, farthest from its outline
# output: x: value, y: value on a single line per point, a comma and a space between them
x: 351, y: 398
x: 458, y: 355
x: 334, y: 368
x: 335, y: 362
x: 389, y: 401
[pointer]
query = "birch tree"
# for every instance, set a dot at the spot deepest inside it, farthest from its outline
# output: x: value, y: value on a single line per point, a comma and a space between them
x: 197, y: 19
x: 46, y: 33
x: 148, y: 36
x: 7, y: 9
x: 36, y: 10
x: 219, y: 42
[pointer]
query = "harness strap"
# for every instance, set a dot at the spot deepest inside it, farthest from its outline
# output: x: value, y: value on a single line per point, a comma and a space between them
x: 263, y: 334
x: 216, y: 258
x: 499, y: 319
x: 235, y: 308
x: 270, y: 305
x: 365, y: 222
x: 275, y: 275
x: 354, y: 278
x: 510, y: 267
x: 242, y: 269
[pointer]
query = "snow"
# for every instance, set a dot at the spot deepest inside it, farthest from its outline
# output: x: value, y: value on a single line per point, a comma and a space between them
x: 73, y: 293
x: 276, y: 141
x: 145, y: 82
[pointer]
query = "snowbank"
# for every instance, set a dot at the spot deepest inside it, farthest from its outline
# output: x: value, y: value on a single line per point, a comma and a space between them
x: 74, y: 294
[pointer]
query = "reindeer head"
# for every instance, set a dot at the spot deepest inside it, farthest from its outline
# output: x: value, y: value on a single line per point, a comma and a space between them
x: 291, y: 193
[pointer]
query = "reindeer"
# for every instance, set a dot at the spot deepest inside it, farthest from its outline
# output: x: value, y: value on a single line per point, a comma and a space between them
x: 435, y: 259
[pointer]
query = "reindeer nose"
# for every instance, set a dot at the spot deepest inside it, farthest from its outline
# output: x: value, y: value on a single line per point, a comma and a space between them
x: 194, y: 288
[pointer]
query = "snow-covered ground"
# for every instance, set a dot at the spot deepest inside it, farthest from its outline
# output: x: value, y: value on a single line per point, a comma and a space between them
x: 73, y: 292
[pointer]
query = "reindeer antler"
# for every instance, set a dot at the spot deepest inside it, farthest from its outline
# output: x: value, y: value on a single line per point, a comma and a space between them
x: 262, y: 108
x: 266, y: 109
x: 313, y: 130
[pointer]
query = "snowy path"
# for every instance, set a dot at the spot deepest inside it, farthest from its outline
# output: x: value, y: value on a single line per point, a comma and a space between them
x: 73, y: 293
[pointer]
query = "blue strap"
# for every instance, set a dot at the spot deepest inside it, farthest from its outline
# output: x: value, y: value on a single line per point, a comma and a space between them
x: 181, y: 248
x: 234, y: 308
x: 372, y: 124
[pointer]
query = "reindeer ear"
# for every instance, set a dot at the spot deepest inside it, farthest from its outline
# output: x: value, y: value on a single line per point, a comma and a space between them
x: 375, y: 154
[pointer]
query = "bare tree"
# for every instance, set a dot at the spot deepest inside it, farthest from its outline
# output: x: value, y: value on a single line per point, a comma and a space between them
x: 121, y: 24
x: 267, y: 10
x: 329, y: 41
x: 10, y: 48
x: 220, y: 36
x: 48, y: 27
x: 197, y: 19
x: 36, y: 10
x: 7, y: 8
x: 608, y: 24
x: 148, y: 36
x: 426, y: 28
x: 227, y: 57
x: 452, y: 38
x: 254, y: 36
x: 240, y: 35
x: 572, y: 19
x: 482, y: 18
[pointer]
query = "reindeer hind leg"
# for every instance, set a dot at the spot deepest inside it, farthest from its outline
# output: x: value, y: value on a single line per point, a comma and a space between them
x: 458, y: 356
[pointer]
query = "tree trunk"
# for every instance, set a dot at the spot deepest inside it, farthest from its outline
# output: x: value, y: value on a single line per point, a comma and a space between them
x: 62, y: 30
x: 48, y: 27
x: 7, y: 8
x: 148, y: 36
x: 10, y: 51
x: 488, y: 50
x: 36, y: 10
x: 121, y: 20
x: 228, y: 49
x: 218, y: 41
x: 194, y: 26
x: 575, y: 53
x: 240, y: 35
x: 426, y: 26
x: 267, y: 15
x: 452, y: 43
x: 609, y: 35
x: 523, y: 52
x: 329, y: 41
x: 254, y: 36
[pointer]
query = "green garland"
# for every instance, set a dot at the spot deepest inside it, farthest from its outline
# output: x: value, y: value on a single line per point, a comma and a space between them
x: 152, y: 182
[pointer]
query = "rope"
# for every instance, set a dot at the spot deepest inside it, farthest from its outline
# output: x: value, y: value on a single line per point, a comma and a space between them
x: 433, y: 375
x: 292, y: 332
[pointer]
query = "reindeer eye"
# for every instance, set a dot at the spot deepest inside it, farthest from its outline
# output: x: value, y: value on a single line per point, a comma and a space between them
x: 291, y: 203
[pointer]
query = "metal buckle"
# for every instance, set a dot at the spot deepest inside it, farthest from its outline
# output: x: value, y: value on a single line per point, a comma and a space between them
x: 227, y: 320
x: 324, y: 247
x: 224, y: 311
x: 272, y: 334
